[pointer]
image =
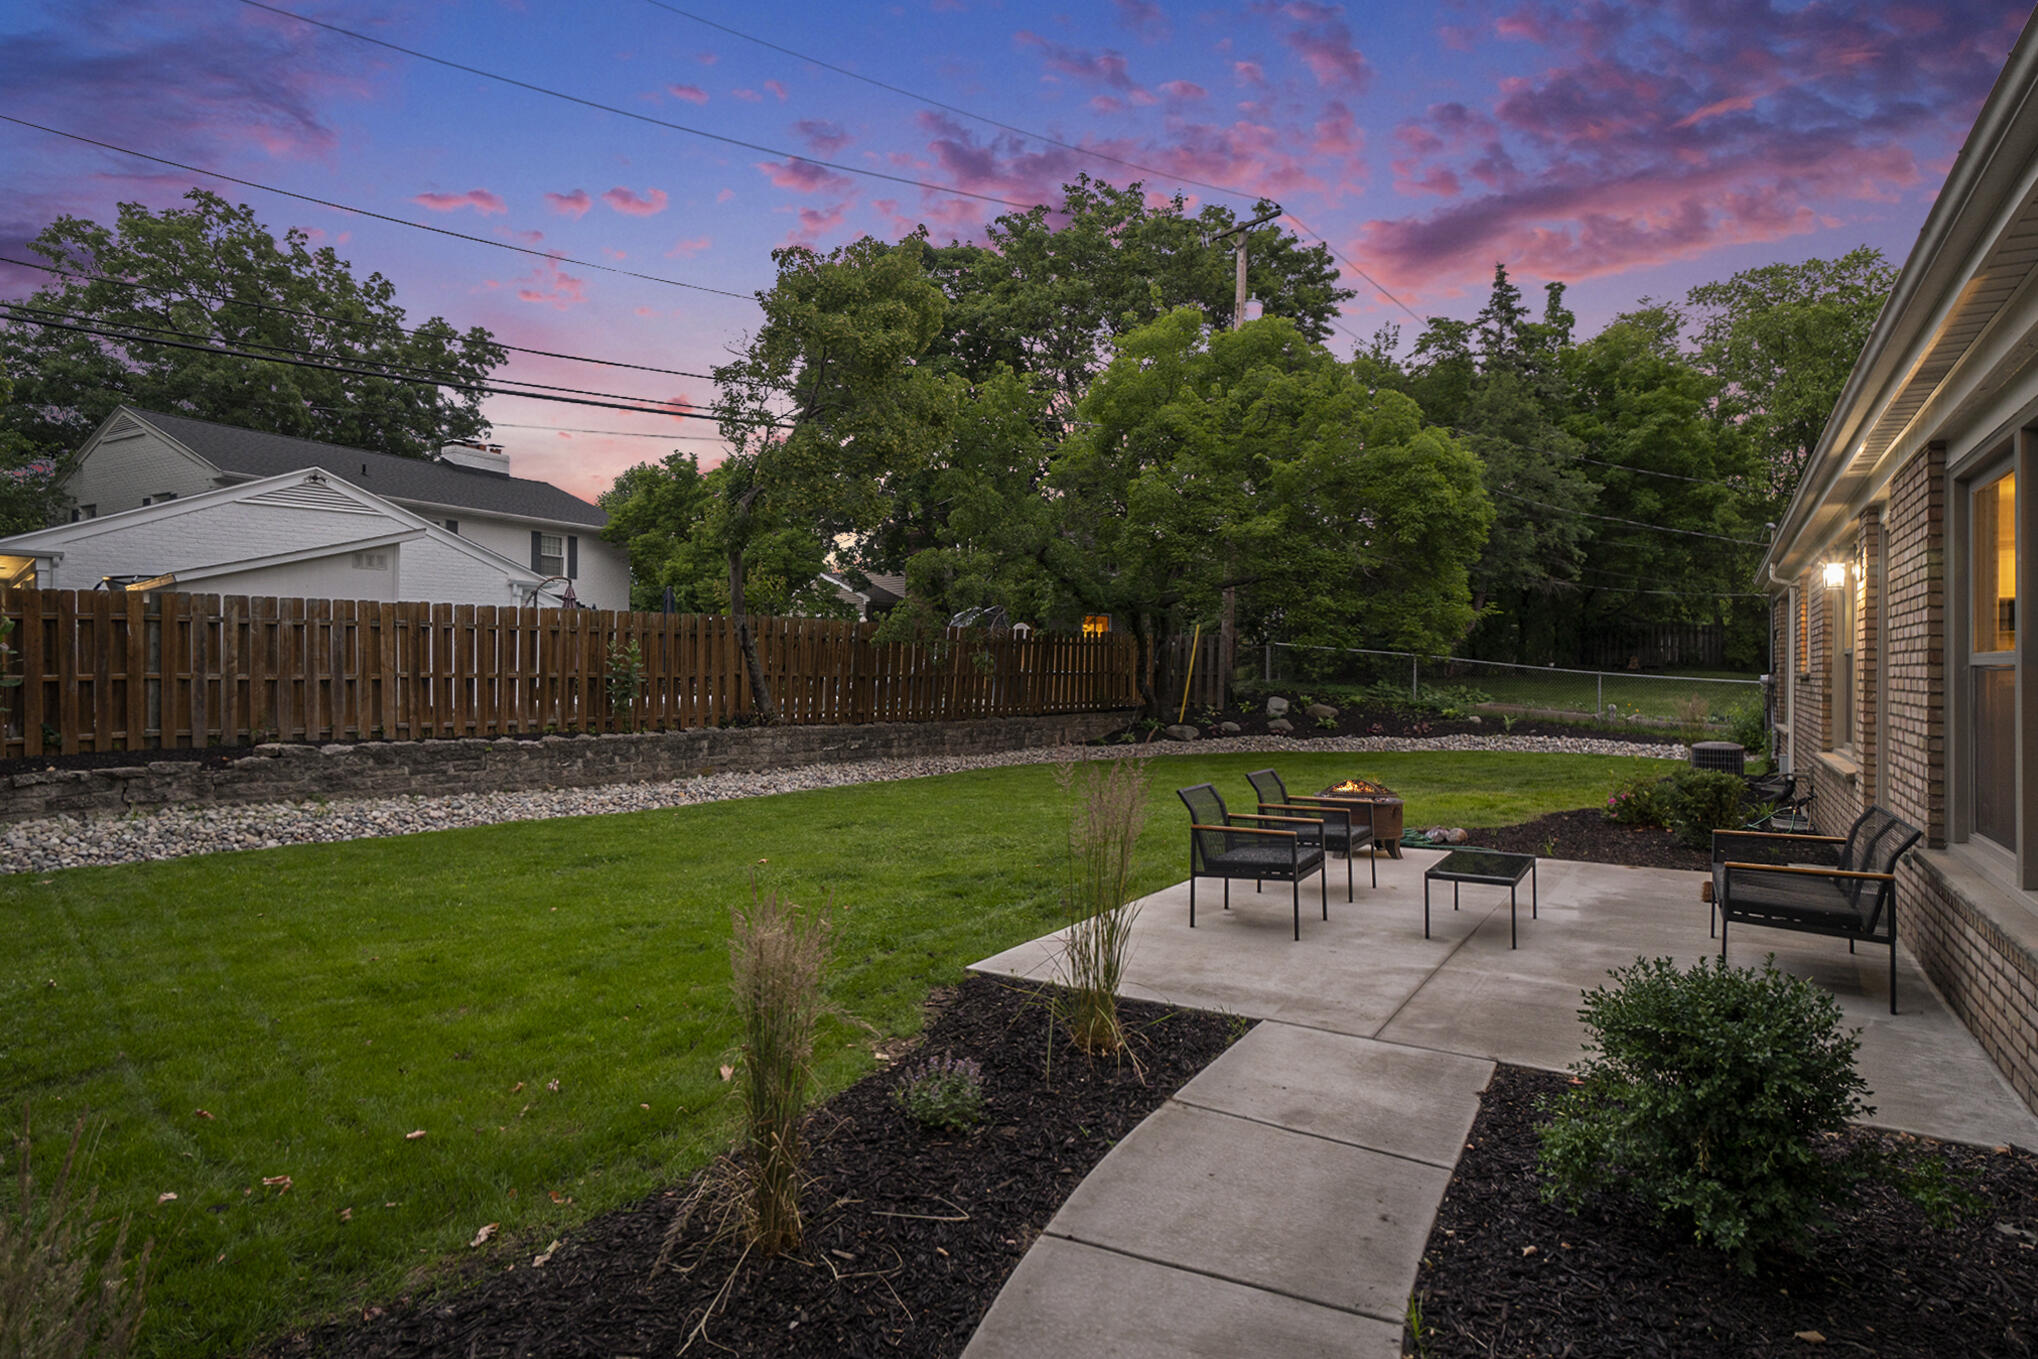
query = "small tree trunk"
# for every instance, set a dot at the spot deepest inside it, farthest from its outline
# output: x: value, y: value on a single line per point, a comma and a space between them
x: 746, y: 640
x: 1143, y: 636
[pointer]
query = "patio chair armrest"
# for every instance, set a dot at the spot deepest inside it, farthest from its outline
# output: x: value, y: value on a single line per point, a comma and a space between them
x: 1248, y: 830
x: 1784, y: 835
x: 1279, y: 820
x: 1310, y: 813
x: 1808, y: 871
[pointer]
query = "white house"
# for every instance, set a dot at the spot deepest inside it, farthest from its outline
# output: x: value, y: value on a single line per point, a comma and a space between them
x: 228, y: 510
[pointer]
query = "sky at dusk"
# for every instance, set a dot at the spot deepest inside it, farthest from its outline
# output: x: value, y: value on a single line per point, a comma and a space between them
x: 1628, y: 150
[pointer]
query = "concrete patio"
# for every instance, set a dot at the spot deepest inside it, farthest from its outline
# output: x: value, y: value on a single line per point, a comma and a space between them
x: 1279, y: 1204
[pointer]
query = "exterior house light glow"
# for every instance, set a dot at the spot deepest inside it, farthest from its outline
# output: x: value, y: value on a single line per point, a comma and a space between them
x: 1835, y: 575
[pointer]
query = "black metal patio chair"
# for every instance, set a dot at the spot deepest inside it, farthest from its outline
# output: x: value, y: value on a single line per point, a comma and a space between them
x: 1273, y: 850
x: 1339, y: 833
x: 1759, y: 878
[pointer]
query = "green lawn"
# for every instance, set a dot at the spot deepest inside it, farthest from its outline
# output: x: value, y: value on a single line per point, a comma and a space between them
x: 321, y: 1002
x: 1656, y: 696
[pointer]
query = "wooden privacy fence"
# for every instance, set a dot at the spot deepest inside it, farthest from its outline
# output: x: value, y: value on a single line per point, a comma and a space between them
x: 115, y: 671
x: 1204, y: 681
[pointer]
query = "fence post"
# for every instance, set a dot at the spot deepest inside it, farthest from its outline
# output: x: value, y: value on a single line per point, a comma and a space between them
x: 1415, y: 678
x: 1270, y: 661
x: 1599, y: 683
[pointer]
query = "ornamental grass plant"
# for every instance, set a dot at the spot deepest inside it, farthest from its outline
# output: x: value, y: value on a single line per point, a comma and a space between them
x: 778, y: 954
x: 61, y: 1296
x: 1108, y: 800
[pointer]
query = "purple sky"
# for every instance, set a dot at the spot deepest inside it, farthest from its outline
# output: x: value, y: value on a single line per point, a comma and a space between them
x: 1628, y: 150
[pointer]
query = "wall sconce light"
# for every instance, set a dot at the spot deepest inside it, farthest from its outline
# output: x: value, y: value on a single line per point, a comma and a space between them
x: 1834, y: 574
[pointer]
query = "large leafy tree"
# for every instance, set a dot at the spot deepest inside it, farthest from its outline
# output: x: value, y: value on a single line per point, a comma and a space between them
x: 1203, y: 460
x: 211, y: 275
x: 1781, y: 341
x: 827, y: 409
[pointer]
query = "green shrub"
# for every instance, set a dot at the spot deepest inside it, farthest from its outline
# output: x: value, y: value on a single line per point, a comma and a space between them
x: 1643, y: 800
x: 1703, y: 801
x: 1707, y: 1102
x: 1748, y: 726
x: 943, y: 1092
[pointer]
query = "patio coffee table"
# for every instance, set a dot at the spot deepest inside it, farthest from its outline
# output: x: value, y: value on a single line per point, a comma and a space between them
x: 1482, y: 865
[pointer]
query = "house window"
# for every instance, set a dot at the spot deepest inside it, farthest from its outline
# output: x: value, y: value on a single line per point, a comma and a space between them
x: 84, y: 512
x: 1992, y: 658
x: 452, y: 525
x: 549, y: 554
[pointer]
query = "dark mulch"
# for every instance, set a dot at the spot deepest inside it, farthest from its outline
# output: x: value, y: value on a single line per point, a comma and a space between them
x: 1588, y: 835
x: 1374, y: 719
x: 910, y: 1234
x: 1506, y: 1274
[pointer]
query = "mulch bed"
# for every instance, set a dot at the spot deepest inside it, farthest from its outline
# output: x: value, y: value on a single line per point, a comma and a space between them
x: 1372, y: 719
x: 910, y: 1234
x: 1588, y: 835
x: 1506, y: 1274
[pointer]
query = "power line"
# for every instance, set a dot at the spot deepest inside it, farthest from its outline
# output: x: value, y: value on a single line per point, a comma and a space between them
x: 1646, y: 472
x: 1632, y: 523
x: 194, y: 294
x: 616, y: 433
x: 420, y: 371
x: 1094, y: 154
x: 553, y: 256
x: 633, y: 114
x: 633, y: 406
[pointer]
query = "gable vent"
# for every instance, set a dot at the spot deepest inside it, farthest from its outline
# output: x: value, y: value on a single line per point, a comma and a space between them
x: 307, y: 496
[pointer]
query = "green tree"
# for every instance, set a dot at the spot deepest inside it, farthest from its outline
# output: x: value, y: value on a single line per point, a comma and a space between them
x: 826, y: 409
x: 30, y: 496
x: 213, y: 271
x: 1781, y: 340
x: 1253, y: 459
x: 1051, y: 289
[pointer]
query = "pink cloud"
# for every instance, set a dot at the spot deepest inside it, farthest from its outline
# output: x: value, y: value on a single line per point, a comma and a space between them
x: 1107, y: 103
x: 692, y: 94
x: 630, y: 205
x: 1143, y: 17
x: 803, y: 176
x: 573, y: 204
x: 1182, y: 89
x: 747, y: 96
x: 522, y: 237
x: 816, y: 223
x: 776, y: 89
x: 548, y: 285
x: 822, y: 137
x: 688, y: 249
x: 1105, y: 68
x: 1323, y: 41
x: 724, y: 195
x: 481, y: 200
x: 707, y: 58
x: 646, y: 311
x: 1248, y: 73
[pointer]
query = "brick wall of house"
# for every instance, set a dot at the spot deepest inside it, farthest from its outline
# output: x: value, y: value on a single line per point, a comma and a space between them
x: 1915, y: 664
x: 1868, y: 630
x: 1989, y: 979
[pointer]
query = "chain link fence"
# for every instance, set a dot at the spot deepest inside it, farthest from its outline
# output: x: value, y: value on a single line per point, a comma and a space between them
x: 1548, y: 693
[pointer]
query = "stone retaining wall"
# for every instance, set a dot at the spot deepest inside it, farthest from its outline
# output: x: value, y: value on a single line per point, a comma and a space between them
x: 285, y: 773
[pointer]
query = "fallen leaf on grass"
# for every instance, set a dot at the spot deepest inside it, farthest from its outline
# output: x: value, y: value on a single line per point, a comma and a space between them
x: 518, y: 1086
x: 727, y: 1072
x: 539, y: 1261
x: 552, y: 1085
x: 481, y: 1237
x: 280, y: 1182
x: 200, y: 1113
x: 643, y: 1106
x: 414, y: 1136
x: 346, y: 1214
x: 166, y: 1198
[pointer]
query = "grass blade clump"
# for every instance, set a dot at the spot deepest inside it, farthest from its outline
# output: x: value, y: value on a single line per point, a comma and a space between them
x: 778, y: 954
x: 1108, y: 810
x: 56, y: 1302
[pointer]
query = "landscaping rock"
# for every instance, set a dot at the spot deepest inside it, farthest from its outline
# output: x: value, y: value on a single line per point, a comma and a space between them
x: 1320, y: 711
x: 1277, y: 706
x: 1229, y: 728
x: 1182, y: 731
x: 1280, y: 726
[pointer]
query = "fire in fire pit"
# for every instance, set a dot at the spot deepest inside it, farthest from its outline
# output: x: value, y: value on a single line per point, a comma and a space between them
x: 1362, y: 787
x: 1386, y: 813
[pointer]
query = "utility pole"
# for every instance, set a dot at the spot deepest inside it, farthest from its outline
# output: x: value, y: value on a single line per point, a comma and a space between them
x: 1227, y: 620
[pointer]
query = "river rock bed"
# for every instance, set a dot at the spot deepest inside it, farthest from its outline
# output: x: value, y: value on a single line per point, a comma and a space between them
x: 49, y: 843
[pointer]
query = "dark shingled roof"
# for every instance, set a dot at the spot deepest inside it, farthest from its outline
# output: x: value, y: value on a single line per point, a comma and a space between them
x: 253, y: 453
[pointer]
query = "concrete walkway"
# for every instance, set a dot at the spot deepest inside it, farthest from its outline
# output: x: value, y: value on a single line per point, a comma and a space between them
x: 1279, y: 1204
